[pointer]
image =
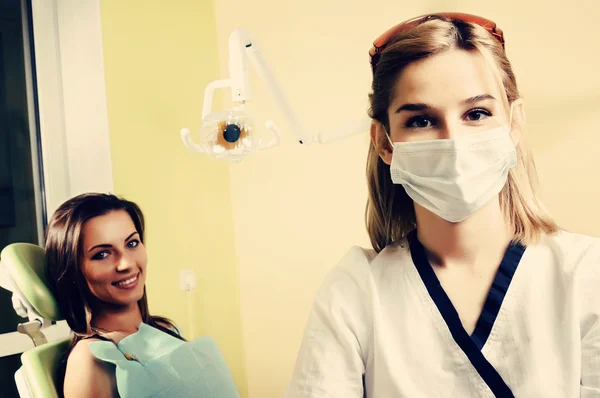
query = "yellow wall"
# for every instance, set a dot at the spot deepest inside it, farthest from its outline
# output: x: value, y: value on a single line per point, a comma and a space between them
x: 158, y: 56
x: 297, y: 209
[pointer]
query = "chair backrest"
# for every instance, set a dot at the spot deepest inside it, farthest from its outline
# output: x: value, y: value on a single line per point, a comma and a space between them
x: 41, y: 368
x: 25, y: 265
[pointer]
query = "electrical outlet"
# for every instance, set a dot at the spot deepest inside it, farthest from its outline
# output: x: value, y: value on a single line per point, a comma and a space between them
x: 187, y: 280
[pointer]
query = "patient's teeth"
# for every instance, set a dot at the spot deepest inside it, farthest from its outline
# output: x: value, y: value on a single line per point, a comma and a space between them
x: 127, y: 282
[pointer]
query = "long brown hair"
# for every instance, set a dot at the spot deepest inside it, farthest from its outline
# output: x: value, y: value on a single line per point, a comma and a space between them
x: 63, y: 247
x: 390, y: 213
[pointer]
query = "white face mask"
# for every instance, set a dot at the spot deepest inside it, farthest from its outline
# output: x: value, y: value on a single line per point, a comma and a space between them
x: 454, y: 178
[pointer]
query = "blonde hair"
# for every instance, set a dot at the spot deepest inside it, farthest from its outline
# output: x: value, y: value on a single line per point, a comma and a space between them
x: 390, y: 214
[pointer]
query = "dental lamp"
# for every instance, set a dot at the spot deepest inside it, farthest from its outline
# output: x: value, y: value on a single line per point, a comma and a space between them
x: 230, y: 134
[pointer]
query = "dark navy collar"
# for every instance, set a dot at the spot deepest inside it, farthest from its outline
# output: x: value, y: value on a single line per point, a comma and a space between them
x: 471, y: 345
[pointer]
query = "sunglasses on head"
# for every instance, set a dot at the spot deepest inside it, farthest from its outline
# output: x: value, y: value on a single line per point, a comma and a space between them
x: 382, y: 41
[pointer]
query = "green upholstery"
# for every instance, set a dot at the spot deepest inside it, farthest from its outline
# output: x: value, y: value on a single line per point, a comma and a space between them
x: 25, y: 264
x: 41, y: 365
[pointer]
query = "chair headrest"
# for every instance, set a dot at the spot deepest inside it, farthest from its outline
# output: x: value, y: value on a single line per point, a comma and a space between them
x: 25, y: 265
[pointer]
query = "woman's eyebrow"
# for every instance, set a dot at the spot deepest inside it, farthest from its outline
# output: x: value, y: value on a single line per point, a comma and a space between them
x: 478, y: 98
x: 422, y: 106
x: 108, y: 246
x: 413, y: 107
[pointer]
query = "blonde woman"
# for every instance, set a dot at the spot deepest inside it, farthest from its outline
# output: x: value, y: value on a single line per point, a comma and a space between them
x: 471, y: 289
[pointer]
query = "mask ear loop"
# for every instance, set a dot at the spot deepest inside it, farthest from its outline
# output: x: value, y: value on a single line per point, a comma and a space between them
x: 510, y: 117
x: 389, y: 138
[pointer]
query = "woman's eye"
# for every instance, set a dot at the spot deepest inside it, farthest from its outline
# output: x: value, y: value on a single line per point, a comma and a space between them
x: 133, y: 243
x: 477, y: 115
x: 419, y: 122
x: 100, y: 255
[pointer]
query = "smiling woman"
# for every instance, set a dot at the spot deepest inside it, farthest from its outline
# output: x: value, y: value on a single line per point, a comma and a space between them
x: 114, y: 260
x: 94, y: 246
x: 96, y: 267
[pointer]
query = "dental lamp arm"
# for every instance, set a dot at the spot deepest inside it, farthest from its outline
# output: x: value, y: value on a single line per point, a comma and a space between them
x: 242, y: 46
x: 267, y: 76
x: 350, y: 130
x: 209, y: 93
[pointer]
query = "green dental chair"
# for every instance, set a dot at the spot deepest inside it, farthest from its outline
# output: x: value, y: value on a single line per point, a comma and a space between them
x: 22, y: 273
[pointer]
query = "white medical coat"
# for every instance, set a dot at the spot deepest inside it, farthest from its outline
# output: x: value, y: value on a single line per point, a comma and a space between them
x: 383, y: 326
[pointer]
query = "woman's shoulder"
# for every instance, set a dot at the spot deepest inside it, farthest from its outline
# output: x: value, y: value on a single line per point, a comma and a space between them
x: 567, y: 238
x: 81, y: 351
x: 85, y: 375
x: 167, y: 326
x: 578, y: 256
x: 347, y: 276
x: 575, y: 257
x: 571, y: 248
x: 360, y: 259
x: 358, y: 270
x: 82, y: 355
x: 352, y: 266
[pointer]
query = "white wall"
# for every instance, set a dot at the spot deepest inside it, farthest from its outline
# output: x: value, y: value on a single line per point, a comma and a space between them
x: 73, y: 121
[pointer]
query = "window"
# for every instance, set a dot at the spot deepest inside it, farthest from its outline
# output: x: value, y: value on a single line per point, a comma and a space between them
x: 54, y: 140
x: 21, y: 207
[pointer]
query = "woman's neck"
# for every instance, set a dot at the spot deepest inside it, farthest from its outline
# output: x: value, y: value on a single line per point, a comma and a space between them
x: 482, y: 238
x: 126, y: 319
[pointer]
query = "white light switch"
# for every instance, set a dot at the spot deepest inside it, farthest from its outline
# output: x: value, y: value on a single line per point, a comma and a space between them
x: 187, y: 280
